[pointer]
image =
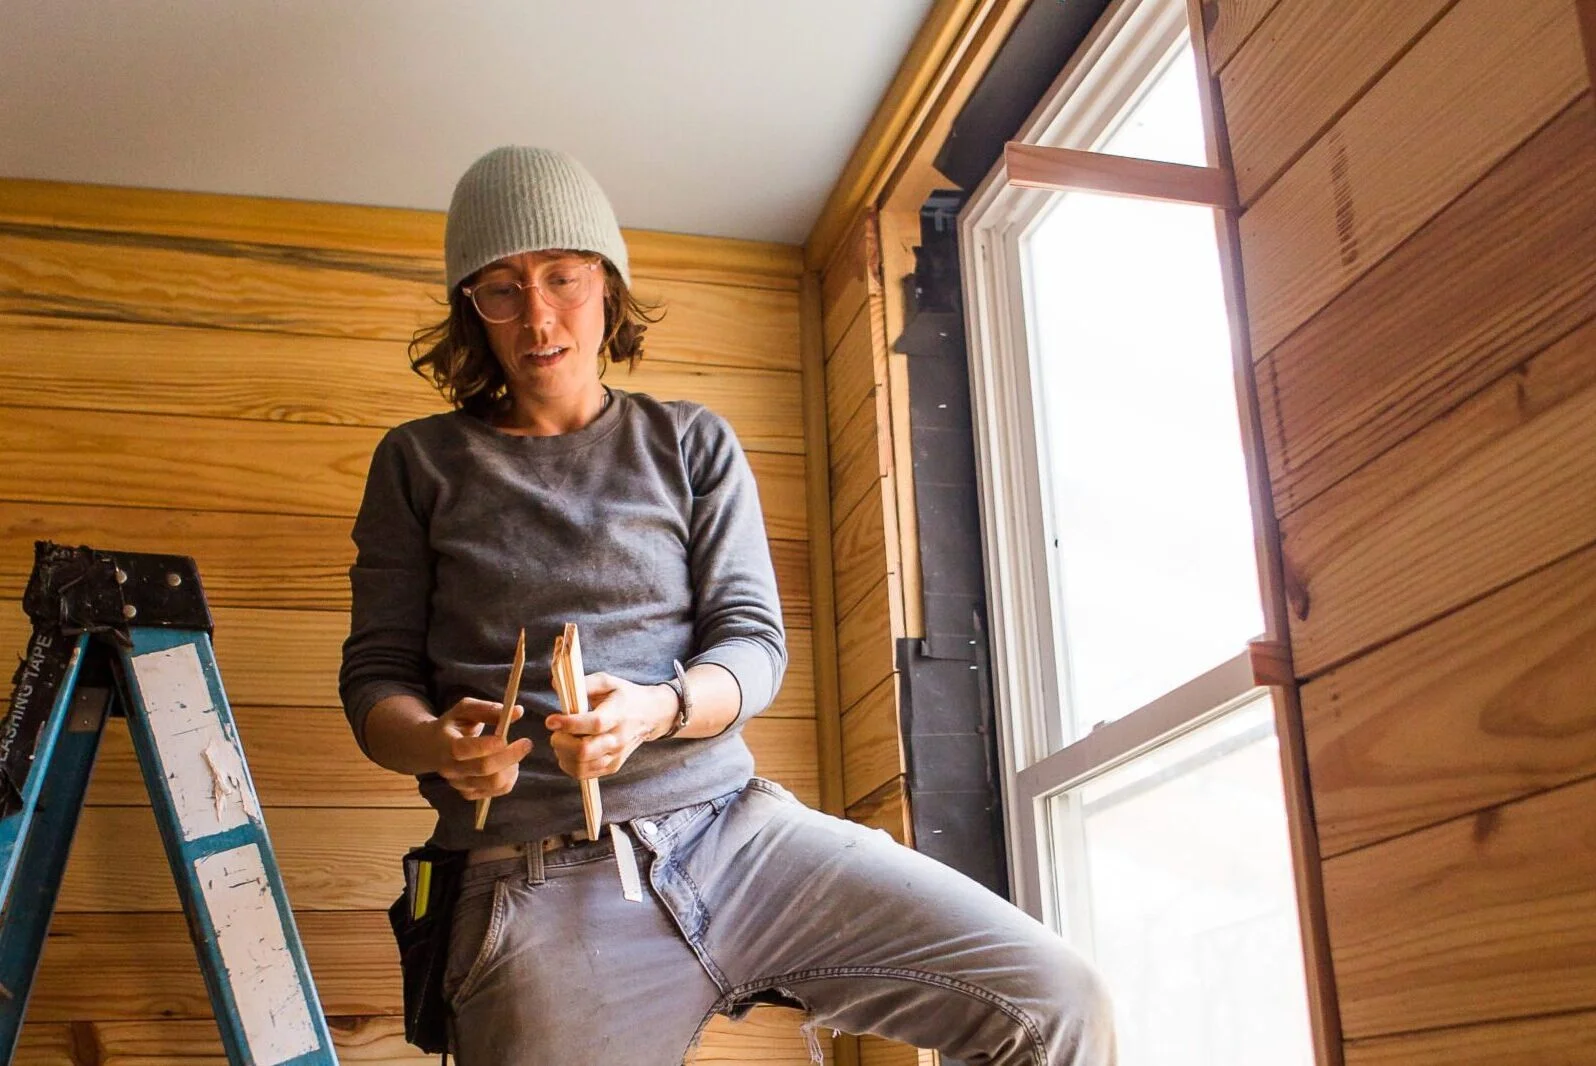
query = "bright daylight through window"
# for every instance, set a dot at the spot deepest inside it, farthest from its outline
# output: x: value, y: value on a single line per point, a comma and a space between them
x: 1145, y: 796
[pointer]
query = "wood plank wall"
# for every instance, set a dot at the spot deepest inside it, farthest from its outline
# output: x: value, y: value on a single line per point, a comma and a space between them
x: 865, y: 553
x: 208, y: 375
x: 1419, y: 251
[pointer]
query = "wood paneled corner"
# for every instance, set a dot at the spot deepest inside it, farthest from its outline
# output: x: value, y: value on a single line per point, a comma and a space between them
x: 208, y: 375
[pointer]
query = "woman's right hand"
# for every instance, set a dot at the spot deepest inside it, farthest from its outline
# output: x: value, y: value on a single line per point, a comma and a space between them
x: 472, y: 757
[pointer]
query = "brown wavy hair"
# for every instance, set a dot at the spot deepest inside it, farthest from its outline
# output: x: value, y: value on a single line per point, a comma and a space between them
x: 455, y: 356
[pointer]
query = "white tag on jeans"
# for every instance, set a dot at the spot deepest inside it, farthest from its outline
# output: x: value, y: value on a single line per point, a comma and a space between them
x: 626, y: 859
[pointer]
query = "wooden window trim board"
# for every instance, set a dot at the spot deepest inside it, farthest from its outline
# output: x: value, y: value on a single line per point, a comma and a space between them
x: 1324, y: 1015
x: 1034, y: 166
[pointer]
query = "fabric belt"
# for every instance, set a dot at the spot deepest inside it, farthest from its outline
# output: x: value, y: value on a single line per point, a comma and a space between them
x: 499, y: 852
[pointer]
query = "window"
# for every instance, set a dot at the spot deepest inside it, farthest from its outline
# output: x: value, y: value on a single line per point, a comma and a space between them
x: 1146, y: 806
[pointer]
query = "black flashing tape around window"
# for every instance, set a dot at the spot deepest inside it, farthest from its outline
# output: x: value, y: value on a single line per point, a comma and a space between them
x: 1042, y: 41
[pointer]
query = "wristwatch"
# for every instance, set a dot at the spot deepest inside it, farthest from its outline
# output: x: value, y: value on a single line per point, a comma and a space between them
x: 684, y: 701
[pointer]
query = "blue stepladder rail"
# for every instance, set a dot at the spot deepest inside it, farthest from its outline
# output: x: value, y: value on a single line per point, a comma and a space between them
x: 130, y: 633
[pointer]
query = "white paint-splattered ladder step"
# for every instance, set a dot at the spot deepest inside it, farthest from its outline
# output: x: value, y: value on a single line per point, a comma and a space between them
x: 125, y: 633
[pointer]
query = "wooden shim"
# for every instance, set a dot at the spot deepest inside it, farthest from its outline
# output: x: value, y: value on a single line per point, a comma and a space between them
x: 237, y: 374
x: 886, y: 808
x: 860, y: 548
x: 347, y: 228
x: 864, y: 645
x: 1308, y: 63
x: 1479, y: 919
x: 332, y: 859
x: 168, y: 461
x: 1229, y: 23
x: 61, y: 274
x: 1487, y: 704
x: 1480, y: 83
x: 1271, y: 663
x: 260, y: 560
x: 768, y: 1035
x: 872, y: 750
x: 1558, y: 1040
x: 1501, y: 486
x: 1498, y: 275
x: 1035, y: 166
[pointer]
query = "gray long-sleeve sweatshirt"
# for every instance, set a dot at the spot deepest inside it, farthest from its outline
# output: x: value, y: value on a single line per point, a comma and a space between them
x: 644, y: 528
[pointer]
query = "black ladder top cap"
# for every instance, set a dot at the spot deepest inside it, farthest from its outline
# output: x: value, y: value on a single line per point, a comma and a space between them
x: 86, y: 590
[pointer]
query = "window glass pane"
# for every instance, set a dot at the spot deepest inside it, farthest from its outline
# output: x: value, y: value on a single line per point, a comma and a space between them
x: 1166, y: 122
x: 1176, y: 871
x: 1157, y: 580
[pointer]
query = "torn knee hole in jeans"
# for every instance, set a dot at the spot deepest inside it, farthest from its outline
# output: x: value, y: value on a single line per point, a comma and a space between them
x: 783, y: 997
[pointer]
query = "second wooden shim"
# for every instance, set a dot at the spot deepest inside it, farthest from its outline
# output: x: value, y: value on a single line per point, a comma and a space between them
x: 567, y: 675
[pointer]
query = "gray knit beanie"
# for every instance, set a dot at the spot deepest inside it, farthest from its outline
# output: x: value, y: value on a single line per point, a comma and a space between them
x: 517, y: 199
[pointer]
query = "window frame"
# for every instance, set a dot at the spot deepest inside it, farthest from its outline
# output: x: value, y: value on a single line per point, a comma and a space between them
x: 1129, y: 42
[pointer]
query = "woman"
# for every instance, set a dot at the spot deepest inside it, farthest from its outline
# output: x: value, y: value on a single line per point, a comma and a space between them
x: 547, y: 498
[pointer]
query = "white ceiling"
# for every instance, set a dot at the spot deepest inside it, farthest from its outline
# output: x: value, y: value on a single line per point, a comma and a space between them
x: 722, y: 117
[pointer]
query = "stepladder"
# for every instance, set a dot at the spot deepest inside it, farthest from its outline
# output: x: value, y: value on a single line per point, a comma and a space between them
x: 129, y: 634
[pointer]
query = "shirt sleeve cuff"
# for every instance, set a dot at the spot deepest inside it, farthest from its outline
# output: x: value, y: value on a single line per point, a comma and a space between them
x: 756, y: 667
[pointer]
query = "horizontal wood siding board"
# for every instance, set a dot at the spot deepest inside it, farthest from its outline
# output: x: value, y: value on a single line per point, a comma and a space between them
x: 1487, y: 704
x: 260, y: 560
x: 282, y: 658
x: 770, y: 1035
x: 860, y: 550
x: 1310, y: 60
x: 58, y: 278
x: 298, y: 757
x: 1456, y: 104
x: 1501, y: 486
x: 307, y: 757
x: 887, y: 808
x: 853, y: 371
x: 864, y: 645
x: 1504, y: 271
x: 275, y: 377
x: 332, y: 859
x: 872, y: 753
x: 1557, y: 1040
x: 860, y: 456
x: 340, y: 858
x: 349, y: 229
x: 106, y: 966
x: 1229, y: 25
x: 204, y: 464
x: 1483, y: 918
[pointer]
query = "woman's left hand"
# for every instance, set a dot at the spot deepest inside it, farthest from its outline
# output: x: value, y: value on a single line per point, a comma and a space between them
x: 622, y: 715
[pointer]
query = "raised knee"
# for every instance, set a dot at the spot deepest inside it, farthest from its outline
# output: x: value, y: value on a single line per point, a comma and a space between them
x: 1074, y: 1008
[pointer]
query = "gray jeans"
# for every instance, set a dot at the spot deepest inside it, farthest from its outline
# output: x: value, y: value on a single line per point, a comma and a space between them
x: 756, y: 898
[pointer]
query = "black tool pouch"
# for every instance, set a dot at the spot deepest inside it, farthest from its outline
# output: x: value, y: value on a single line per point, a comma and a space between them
x: 421, y: 918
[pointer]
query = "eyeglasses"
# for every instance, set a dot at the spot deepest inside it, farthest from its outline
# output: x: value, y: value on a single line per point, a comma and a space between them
x: 564, y: 283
